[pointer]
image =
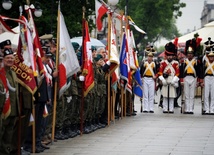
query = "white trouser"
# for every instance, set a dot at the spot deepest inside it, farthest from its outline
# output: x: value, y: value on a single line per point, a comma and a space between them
x: 209, y: 94
x: 189, y: 92
x: 148, y: 94
x: 165, y: 104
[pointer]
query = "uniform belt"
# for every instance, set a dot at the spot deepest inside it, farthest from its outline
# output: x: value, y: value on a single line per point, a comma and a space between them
x: 209, y: 75
x: 190, y: 74
x: 147, y: 76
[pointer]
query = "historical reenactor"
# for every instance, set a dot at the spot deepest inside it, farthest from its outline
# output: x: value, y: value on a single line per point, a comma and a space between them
x: 8, y: 96
x: 208, y: 45
x: 148, y: 73
x: 189, y: 71
x: 168, y: 75
x: 208, y: 84
x: 150, y: 49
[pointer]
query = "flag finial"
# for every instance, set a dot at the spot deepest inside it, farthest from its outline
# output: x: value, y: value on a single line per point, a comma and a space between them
x: 83, y: 12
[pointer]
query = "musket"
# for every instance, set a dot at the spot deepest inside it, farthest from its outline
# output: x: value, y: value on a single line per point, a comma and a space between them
x: 141, y: 105
x: 168, y: 96
x: 182, y: 94
x: 182, y: 99
x: 202, y: 101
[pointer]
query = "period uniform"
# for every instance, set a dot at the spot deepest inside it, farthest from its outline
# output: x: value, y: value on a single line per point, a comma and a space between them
x: 189, y: 71
x: 168, y: 75
x: 208, y: 69
x: 148, y: 71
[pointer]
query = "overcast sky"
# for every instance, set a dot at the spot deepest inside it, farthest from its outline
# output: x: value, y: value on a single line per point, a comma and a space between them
x: 191, y: 14
x: 190, y: 19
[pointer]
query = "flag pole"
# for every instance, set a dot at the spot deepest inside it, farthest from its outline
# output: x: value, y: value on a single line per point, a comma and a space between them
x: 122, y: 89
x: 109, y: 82
x: 56, y: 81
x: 82, y: 99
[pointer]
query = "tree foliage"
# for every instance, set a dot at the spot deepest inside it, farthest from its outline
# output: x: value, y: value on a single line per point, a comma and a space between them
x: 157, y: 18
x: 71, y: 10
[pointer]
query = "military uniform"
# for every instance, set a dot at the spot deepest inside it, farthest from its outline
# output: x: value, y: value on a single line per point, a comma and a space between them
x: 8, y: 125
x: 208, y: 69
x: 101, y: 88
x: 189, y: 71
x: 168, y: 75
x: 148, y: 71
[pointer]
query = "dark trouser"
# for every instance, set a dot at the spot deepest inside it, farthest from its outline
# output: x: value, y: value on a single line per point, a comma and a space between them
x: 104, y: 109
x: 24, y: 124
x: 39, y: 109
x: 7, y: 130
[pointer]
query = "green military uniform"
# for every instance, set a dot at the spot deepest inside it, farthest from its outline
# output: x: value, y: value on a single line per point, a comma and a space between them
x: 60, y: 117
x: 101, y: 88
x: 9, y: 127
x: 75, y: 118
x: 70, y: 113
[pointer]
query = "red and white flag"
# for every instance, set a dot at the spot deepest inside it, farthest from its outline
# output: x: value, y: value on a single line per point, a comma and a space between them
x: 101, y: 10
x: 39, y: 71
x: 87, y: 65
x: 114, y: 58
x: 7, y: 106
x: 131, y: 46
x: 68, y: 62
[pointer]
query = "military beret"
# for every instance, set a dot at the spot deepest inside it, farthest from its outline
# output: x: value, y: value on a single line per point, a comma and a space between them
x: 75, y: 45
x: 7, y: 51
x: 93, y: 48
x: 5, y: 43
x: 98, y: 57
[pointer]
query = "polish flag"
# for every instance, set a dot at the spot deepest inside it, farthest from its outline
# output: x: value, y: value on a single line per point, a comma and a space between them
x: 7, y: 106
x: 87, y: 65
x: 101, y: 10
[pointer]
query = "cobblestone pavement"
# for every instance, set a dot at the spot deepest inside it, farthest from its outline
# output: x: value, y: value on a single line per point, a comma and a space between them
x: 146, y: 134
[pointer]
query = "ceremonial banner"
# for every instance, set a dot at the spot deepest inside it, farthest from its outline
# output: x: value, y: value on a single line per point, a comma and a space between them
x: 7, y: 106
x: 87, y: 68
x: 68, y: 62
x: 100, y: 11
x: 24, y: 59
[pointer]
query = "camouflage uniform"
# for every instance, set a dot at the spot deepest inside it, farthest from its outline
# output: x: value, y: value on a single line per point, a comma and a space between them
x: 101, y: 88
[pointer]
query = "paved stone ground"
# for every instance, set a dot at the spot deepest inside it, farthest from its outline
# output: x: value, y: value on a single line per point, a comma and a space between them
x: 146, y: 134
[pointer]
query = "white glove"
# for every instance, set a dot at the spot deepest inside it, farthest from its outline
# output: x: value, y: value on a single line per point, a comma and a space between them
x: 108, y: 63
x: 163, y: 80
x: 175, y: 80
x: 176, y: 85
x: 81, y: 78
x: 69, y: 99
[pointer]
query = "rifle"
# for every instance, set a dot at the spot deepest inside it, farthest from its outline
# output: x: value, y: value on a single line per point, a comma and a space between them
x: 182, y: 99
x: 141, y: 105
x: 168, y: 96
x: 202, y: 101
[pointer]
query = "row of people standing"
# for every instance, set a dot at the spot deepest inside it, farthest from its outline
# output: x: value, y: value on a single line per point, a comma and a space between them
x: 188, y: 74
